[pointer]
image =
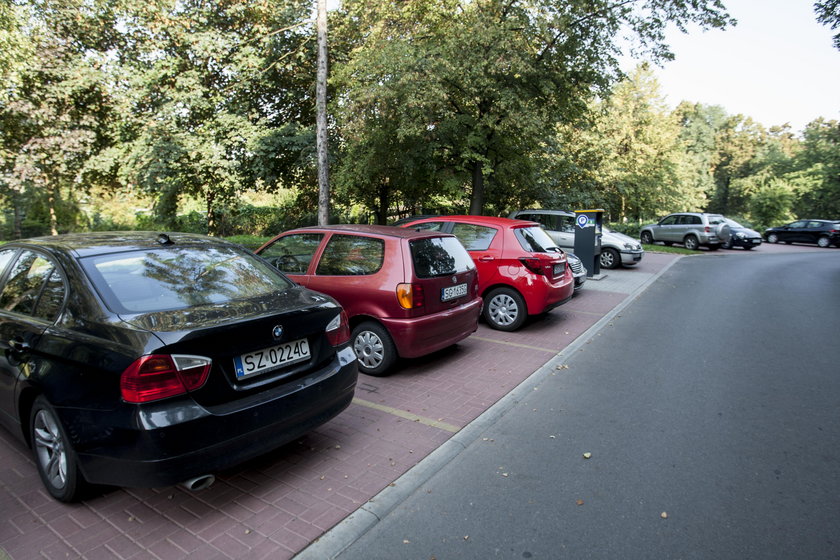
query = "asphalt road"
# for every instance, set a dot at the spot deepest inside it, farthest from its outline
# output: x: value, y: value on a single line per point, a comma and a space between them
x: 710, y: 407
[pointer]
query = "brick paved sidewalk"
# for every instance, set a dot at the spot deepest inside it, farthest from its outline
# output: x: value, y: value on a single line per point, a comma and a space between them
x: 275, y: 506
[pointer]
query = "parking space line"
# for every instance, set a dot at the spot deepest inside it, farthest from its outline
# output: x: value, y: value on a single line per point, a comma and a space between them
x: 408, y: 415
x: 549, y: 350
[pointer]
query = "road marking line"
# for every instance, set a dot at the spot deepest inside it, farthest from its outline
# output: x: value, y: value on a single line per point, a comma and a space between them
x: 553, y: 351
x: 408, y: 415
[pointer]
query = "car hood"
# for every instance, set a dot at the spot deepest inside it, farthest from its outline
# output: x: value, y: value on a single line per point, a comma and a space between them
x: 619, y: 238
x: 746, y: 231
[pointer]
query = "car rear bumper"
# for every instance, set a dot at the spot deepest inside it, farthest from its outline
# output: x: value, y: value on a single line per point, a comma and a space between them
x: 168, y: 446
x: 544, y: 295
x: 423, y: 335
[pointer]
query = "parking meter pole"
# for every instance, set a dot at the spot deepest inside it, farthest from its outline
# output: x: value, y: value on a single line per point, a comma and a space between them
x: 588, y: 239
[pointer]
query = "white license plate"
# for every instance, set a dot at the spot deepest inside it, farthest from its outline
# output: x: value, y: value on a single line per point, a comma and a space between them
x: 247, y: 365
x: 453, y: 292
x: 559, y: 269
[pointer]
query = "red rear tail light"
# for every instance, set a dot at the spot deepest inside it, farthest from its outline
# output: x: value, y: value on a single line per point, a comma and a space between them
x: 159, y: 376
x: 538, y: 266
x: 410, y: 296
x: 338, y: 331
x: 708, y: 229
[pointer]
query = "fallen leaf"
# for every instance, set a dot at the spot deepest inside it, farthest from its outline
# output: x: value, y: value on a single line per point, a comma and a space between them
x: 553, y: 437
x: 664, y: 515
x: 406, y: 541
x: 587, y: 455
x: 579, y: 502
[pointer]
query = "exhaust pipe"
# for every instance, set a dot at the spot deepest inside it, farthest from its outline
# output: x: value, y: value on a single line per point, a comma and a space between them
x: 199, y: 483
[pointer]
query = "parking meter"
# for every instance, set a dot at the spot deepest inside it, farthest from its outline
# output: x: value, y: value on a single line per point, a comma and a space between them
x: 588, y: 239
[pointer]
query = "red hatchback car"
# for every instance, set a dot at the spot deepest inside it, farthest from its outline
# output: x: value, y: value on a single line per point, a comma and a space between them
x: 521, y: 271
x: 407, y: 293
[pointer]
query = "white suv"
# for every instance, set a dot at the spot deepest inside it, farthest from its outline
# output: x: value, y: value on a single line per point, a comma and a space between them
x: 616, y: 248
x: 692, y: 229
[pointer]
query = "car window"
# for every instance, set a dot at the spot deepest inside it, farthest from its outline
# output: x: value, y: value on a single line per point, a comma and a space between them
x: 6, y: 256
x: 427, y: 226
x: 814, y: 224
x: 798, y: 224
x: 535, y: 240
x: 351, y: 255
x: 293, y: 253
x: 567, y: 224
x: 179, y: 277
x: 669, y: 220
x: 548, y: 221
x: 34, y: 287
x: 474, y: 237
x: 439, y: 256
x: 715, y: 220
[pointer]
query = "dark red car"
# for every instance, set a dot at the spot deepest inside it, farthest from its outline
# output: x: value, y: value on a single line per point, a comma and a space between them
x: 407, y: 293
x: 521, y: 271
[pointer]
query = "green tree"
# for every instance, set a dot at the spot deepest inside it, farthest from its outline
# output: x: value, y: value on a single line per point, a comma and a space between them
x: 484, y: 82
x: 818, y: 165
x: 217, y: 100
x: 828, y: 13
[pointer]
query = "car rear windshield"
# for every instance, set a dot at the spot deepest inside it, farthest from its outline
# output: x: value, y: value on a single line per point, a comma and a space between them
x: 535, y: 240
x: 180, y: 277
x: 439, y: 256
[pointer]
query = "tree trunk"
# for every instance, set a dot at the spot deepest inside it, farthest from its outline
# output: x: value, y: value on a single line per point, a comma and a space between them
x: 321, y: 118
x: 211, y: 212
x: 51, y: 208
x: 382, y: 210
x: 477, y: 198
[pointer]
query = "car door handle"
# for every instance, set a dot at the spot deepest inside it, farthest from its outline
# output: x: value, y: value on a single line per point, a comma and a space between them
x: 485, y: 258
x: 18, y: 345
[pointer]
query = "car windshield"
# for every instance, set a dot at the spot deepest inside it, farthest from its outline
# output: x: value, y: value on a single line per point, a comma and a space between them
x: 439, y: 256
x: 180, y: 277
x: 733, y: 223
x: 536, y: 240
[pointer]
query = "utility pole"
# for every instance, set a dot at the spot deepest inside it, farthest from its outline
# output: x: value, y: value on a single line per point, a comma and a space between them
x: 321, y: 119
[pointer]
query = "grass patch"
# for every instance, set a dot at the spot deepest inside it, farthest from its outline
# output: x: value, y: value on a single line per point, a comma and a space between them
x: 656, y: 248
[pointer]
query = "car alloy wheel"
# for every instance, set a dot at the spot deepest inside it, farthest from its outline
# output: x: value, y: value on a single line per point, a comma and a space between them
x: 691, y: 243
x: 610, y: 259
x: 505, y: 309
x: 772, y: 238
x: 646, y: 238
x: 53, y: 456
x: 374, y: 348
x: 823, y: 242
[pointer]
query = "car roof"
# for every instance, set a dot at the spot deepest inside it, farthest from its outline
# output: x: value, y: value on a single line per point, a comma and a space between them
x: 480, y: 220
x: 97, y: 243
x: 386, y: 231
x: 546, y: 211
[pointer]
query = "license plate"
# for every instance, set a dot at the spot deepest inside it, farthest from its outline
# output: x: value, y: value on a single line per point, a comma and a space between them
x: 247, y: 365
x: 559, y: 269
x: 453, y: 292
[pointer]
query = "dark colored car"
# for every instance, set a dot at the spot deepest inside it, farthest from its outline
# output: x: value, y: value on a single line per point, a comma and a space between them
x: 822, y: 232
x: 741, y: 236
x: 144, y: 359
x: 406, y: 293
x: 521, y: 271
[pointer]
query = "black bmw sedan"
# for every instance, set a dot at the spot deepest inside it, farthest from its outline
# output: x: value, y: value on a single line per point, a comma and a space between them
x: 145, y: 359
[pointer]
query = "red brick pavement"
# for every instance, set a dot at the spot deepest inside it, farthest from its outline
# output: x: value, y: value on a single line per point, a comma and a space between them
x: 275, y: 506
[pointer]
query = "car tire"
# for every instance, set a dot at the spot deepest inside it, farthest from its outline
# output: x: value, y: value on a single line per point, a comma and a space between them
x: 824, y: 242
x: 610, y: 258
x: 504, y: 309
x: 54, y: 456
x: 691, y: 243
x: 727, y: 244
x: 714, y: 247
x: 772, y: 238
x: 374, y: 348
x: 646, y: 238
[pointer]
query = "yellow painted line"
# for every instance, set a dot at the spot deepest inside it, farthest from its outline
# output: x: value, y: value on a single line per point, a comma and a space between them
x: 408, y: 416
x: 553, y: 351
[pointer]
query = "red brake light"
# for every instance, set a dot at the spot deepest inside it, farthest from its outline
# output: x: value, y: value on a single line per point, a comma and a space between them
x: 410, y: 296
x: 159, y: 376
x: 338, y: 331
x: 537, y: 266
